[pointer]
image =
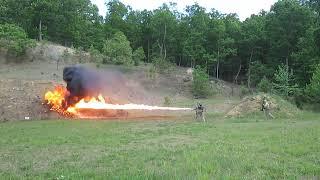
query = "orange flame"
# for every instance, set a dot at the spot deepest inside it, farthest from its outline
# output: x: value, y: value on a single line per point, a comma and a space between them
x: 56, y: 100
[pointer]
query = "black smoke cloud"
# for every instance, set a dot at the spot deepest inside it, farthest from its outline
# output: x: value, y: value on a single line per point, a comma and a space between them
x: 83, y: 81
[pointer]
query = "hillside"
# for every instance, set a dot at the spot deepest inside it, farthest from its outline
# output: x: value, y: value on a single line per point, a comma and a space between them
x: 23, y: 85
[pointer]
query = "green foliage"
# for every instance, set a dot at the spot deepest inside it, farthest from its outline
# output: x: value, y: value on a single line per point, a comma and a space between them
x: 201, y: 83
x: 167, y: 101
x: 162, y: 66
x: 283, y: 82
x: 80, y: 54
x: 313, y: 89
x: 152, y: 73
x: 14, y: 39
x: 138, y: 56
x: 95, y: 54
x: 118, y: 50
x: 244, y: 91
x: 289, y: 33
x: 264, y: 85
x: 306, y: 58
x: 258, y: 71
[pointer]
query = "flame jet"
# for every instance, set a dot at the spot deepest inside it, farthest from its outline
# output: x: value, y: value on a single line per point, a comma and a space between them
x: 83, y: 94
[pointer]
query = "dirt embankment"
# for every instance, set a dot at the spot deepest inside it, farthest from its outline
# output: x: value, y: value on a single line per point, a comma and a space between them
x: 23, y: 85
x: 21, y: 99
x: 253, y: 104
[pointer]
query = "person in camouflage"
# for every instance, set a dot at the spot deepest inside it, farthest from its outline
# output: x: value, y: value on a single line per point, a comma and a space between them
x: 200, y: 112
x: 265, y: 107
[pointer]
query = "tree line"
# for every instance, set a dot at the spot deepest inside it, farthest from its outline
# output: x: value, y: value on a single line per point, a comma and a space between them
x: 280, y: 47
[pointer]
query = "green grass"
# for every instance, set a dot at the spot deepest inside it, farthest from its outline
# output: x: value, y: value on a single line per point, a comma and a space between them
x: 178, y: 149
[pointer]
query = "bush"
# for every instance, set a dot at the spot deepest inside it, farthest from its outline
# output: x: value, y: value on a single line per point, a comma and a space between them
x: 80, y: 54
x: 258, y: 71
x: 201, y: 83
x: 162, y: 66
x: 244, y: 91
x: 313, y: 89
x: 167, y: 101
x: 138, y: 56
x: 95, y: 55
x: 118, y: 50
x: 264, y: 85
x: 15, y: 39
x: 152, y: 73
x: 283, y: 85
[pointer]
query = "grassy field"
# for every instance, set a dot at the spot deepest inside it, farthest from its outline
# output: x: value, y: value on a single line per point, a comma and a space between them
x: 161, y: 149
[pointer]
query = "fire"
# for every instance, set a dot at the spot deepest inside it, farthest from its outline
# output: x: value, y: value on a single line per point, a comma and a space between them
x: 56, y: 100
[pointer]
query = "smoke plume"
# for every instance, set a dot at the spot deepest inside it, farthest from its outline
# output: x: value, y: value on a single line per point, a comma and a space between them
x: 83, y: 82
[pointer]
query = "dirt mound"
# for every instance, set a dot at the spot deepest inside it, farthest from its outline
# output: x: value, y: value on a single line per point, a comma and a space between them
x: 252, y: 104
x: 47, y: 52
x: 21, y: 99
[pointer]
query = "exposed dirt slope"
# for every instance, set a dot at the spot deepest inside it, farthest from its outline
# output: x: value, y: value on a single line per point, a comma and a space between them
x: 23, y: 85
x: 252, y: 104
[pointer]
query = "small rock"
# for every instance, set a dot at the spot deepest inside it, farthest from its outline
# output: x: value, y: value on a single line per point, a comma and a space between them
x: 27, y: 118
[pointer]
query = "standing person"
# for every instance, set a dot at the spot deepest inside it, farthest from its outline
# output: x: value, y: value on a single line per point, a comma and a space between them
x: 265, y: 107
x: 200, y: 112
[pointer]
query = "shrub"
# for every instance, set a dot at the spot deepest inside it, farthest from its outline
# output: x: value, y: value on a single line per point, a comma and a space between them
x: 201, y: 83
x: 258, y: 71
x: 167, y: 101
x: 264, y: 85
x: 162, y: 66
x: 95, y: 55
x: 138, y: 56
x: 15, y: 39
x: 152, y: 73
x: 244, y: 91
x: 80, y: 54
x: 313, y: 89
x: 118, y: 50
x: 283, y: 85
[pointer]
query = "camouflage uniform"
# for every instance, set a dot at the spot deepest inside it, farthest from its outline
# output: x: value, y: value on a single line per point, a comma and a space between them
x: 266, y: 108
x: 200, y: 112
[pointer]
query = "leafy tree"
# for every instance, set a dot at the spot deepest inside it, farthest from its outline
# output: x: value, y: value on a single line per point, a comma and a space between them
x: 163, y: 24
x: 283, y: 84
x: 196, y: 26
x: 14, y: 39
x: 118, y: 49
x: 253, y: 43
x: 201, y: 83
x: 306, y: 58
x: 285, y: 24
x: 258, y: 71
x: 117, y: 11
